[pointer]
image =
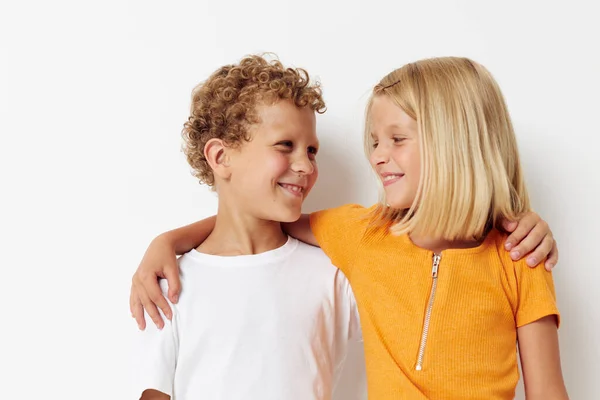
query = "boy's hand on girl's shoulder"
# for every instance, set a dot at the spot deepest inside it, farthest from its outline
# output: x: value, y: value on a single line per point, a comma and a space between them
x: 159, y: 261
x: 531, y: 236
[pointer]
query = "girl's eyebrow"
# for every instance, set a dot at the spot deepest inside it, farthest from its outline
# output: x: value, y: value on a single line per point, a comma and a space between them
x: 392, y: 127
x: 397, y: 127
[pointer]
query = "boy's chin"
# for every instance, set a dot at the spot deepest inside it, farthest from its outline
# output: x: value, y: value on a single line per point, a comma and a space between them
x: 286, y: 216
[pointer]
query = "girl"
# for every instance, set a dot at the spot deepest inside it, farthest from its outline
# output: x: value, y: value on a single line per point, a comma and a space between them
x: 441, y: 302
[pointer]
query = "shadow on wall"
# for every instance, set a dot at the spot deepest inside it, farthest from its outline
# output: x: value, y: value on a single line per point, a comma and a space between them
x: 576, y: 339
x: 344, y: 175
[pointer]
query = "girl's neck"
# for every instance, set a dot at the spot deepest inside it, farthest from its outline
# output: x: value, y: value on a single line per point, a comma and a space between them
x: 438, y: 245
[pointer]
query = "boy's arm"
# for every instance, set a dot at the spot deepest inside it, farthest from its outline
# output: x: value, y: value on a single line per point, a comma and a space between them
x: 531, y: 236
x: 540, y: 360
x: 530, y: 233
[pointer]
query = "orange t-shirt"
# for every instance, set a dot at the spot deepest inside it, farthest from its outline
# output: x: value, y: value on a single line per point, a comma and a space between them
x: 448, y: 336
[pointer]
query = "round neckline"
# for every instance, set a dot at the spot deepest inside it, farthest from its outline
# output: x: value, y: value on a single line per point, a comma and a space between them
x: 488, y: 241
x: 266, y: 257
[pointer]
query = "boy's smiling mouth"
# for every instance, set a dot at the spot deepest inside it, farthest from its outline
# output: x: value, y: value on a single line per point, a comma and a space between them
x: 296, y: 190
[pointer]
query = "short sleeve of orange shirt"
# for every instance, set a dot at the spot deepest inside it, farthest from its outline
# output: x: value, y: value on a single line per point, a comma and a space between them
x: 533, y: 292
x: 339, y: 232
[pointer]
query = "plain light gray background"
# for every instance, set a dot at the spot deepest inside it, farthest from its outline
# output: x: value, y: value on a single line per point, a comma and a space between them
x: 93, y: 96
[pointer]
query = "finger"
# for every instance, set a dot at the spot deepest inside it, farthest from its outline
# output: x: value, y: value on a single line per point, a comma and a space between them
x: 138, y: 314
x: 172, y: 275
x: 509, y: 226
x: 552, y: 257
x: 530, y: 242
x: 541, y: 252
x: 136, y: 309
x: 151, y: 309
x: 131, y: 301
x: 156, y: 296
x: 525, y: 225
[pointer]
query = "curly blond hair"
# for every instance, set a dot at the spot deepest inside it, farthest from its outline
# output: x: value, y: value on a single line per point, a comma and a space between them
x: 224, y: 106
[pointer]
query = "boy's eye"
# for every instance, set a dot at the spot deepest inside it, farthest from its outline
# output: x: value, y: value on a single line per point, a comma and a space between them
x: 374, y: 145
x: 286, y: 143
x: 399, y: 139
x: 313, y: 150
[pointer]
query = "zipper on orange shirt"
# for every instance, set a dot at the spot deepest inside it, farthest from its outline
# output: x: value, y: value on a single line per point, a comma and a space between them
x: 425, y: 332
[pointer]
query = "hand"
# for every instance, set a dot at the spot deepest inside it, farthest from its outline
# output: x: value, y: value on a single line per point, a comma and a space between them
x: 160, y: 261
x: 531, y: 237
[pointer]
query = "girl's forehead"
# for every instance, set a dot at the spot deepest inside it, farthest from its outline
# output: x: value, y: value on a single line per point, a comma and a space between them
x: 385, y: 114
x: 385, y: 109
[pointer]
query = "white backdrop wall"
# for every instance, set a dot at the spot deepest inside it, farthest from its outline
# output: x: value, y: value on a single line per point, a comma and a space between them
x: 93, y: 97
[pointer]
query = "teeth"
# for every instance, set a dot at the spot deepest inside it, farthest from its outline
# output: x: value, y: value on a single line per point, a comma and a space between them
x: 293, y: 188
x: 390, y: 177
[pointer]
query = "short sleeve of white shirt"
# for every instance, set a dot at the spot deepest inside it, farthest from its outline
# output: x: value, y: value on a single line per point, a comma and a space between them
x: 348, y: 316
x: 355, y: 329
x: 347, y: 322
x: 155, y: 354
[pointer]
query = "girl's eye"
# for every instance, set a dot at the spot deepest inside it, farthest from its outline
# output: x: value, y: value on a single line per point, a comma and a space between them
x: 399, y: 139
x: 312, y: 150
x: 374, y: 145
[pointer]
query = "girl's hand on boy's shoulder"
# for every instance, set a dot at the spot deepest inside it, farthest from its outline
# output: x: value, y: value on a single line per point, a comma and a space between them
x: 159, y: 261
x: 531, y: 236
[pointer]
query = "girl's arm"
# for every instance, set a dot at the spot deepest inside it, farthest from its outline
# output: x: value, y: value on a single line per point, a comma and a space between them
x: 160, y: 261
x: 530, y: 237
x: 152, y: 394
x: 540, y: 360
x: 301, y: 230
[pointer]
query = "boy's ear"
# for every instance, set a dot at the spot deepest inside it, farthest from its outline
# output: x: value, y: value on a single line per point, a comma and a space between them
x: 216, y: 153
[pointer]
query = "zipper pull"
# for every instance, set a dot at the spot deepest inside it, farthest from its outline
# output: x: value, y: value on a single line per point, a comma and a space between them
x: 436, y: 264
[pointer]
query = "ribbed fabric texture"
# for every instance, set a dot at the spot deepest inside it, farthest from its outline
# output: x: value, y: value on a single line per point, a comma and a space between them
x: 480, y: 299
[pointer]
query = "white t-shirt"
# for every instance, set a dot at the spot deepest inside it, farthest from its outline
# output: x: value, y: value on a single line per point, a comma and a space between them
x: 270, y: 326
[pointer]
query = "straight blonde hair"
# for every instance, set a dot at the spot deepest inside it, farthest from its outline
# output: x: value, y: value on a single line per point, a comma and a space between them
x: 471, y: 176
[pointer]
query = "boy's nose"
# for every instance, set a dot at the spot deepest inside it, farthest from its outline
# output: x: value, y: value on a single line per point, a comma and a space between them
x: 303, y: 166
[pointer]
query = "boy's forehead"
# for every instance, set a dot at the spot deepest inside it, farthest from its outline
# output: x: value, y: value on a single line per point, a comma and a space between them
x: 281, y: 109
x: 285, y: 116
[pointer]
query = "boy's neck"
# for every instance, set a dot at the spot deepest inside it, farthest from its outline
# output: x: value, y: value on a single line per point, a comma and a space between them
x: 439, y: 245
x: 236, y: 233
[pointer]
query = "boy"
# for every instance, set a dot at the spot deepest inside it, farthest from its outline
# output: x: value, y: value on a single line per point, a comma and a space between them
x: 261, y: 315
